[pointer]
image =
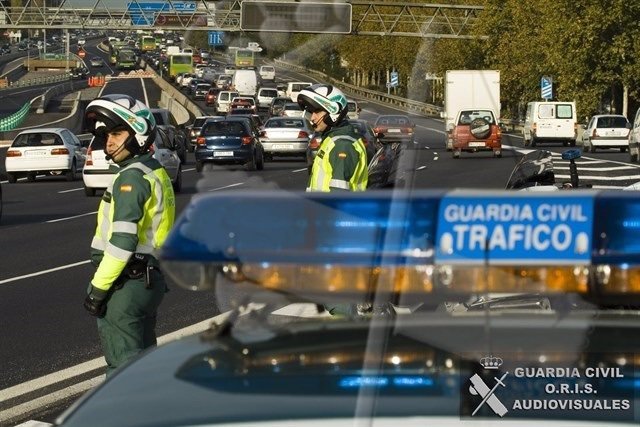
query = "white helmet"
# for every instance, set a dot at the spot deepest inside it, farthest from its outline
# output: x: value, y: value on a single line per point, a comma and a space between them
x: 322, y: 97
x: 118, y: 111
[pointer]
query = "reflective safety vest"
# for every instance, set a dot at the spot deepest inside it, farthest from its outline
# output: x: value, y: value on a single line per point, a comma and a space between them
x: 341, y: 163
x: 135, y: 215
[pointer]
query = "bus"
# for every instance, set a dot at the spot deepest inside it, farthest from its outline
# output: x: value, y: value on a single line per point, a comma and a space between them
x: 244, y: 58
x: 180, y: 63
x: 126, y: 59
x: 148, y: 44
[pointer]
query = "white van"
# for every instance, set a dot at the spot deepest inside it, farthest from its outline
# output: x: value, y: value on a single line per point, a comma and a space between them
x: 245, y: 82
x: 294, y: 88
x: 267, y: 72
x: 265, y: 96
x: 224, y: 100
x: 550, y: 122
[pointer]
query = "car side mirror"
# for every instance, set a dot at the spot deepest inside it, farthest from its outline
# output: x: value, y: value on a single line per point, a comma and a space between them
x: 629, y: 125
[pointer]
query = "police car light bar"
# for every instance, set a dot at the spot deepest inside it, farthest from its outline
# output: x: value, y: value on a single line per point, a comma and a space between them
x: 419, y: 242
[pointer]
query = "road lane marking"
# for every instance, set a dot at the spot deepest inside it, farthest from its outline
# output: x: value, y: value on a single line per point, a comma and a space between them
x: 299, y: 170
x: 40, y: 273
x: 421, y: 167
x: 70, y: 217
x: 582, y: 168
x: 69, y: 191
x: 227, y: 186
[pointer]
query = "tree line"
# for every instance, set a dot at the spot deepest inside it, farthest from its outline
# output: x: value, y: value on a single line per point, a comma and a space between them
x: 590, y: 48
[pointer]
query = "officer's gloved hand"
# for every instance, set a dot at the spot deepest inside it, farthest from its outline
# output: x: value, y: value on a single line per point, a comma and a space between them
x: 95, y: 302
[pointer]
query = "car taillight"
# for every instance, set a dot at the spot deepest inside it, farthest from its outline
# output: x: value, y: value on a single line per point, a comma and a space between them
x: 14, y: 153
x: 263, y: 134
x: 201, y: 140
x: 594, y: 134
x: 246, y: 140
x: 194, y: 132
x: 59, y: 151
x: 89, y: 159
x: 303, y: 134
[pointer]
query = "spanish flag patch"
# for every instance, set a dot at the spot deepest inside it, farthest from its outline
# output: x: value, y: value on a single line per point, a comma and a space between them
x: 342, y: 155
x: 126, y: 188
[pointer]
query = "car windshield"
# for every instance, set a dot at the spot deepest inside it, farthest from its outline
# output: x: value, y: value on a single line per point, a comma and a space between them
x: 420, y: 213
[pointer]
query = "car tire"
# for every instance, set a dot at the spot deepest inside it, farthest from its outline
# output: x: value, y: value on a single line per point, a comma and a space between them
x: 177, y: 185
x: 199, y: 166
x: 456, y: 154
x: 623, y: 149
x: 633, y: 157
x: 252, y: 164
x: 72, y: 173
x: 480, y: 128
x: 89, y: 192
x: 31, y: 177
x: 12, y: 178
x: 533, y: 142
x: 260, y: 162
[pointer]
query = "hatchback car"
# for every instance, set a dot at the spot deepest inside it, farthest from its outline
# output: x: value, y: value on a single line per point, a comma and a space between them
x: 193, y: 130
x: 211, y: 96
x: 51, y: 151
x: 98, y: 172
x: 291, y: 109
x: 96, y: 61
x: 284, y: 136
x: 396, y: 128
x: 277, y: 104
x: 606, y: 131
x: 201, y: 91
x: 229, y: 140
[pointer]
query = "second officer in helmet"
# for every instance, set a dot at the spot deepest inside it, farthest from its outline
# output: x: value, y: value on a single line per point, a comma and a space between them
x: 341, y: 162
x: 134, y: 218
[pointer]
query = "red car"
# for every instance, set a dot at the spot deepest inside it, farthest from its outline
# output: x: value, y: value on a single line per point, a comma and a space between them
x: 394, y: 128
x: 476, y: 130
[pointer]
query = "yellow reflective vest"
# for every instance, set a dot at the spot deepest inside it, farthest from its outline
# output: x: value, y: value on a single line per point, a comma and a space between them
x: 341, y: 162
x: 135, y: 215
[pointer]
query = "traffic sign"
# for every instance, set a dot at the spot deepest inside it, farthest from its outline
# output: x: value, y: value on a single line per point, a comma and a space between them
x: 216, y: 38
x: 394, y: 79
x: 295, y: 17
x: 143, y: 13
x: 546, y: 88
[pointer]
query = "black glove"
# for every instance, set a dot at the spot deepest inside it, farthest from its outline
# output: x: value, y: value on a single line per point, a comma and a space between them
x: 95, y: 302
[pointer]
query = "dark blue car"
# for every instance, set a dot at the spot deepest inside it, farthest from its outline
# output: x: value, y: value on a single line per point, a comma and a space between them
x: 229, y: 140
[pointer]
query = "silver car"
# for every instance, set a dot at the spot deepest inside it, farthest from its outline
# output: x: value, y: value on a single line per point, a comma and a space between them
x: 285, y: 136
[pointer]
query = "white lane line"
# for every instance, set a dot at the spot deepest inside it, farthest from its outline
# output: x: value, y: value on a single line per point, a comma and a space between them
x: 602, y: 178
x: 432, y: 129
x: 421, y: 167
x: 69, y: 191
x: 144, y: 90
x: 51, y: 221
x: 582, y: 168
x: 40, y: 273
x: 299, y: 170
x: 227, y: 186
x: 188, y: 170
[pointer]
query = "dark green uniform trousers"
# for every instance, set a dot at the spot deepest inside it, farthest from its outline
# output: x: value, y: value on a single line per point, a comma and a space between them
x: 129, y: 325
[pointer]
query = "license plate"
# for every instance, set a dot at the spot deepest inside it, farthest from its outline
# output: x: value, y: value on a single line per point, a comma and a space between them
x: 613, y: 133
x: 223, y: 154
x: 394, y: 131
x: 282, y: 146
x: 476, y: 144
x: 36, y: 153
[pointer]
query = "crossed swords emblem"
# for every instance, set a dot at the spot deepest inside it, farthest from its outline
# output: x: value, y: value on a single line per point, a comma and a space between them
x: 479, y: 388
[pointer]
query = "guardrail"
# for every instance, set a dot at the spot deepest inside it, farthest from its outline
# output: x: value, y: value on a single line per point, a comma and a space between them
x: 407, y: 104
x: 69, y: 86
x: 15, y: 120
x: 37, y: 81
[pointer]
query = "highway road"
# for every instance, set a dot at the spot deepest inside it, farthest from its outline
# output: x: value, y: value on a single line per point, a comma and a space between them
x: 47, y: 226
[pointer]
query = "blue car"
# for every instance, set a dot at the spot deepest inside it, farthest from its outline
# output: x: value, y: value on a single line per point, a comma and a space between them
x: 229, y: 140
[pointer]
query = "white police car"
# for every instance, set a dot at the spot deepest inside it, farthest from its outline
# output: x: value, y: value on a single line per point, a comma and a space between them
x: 435, y: 309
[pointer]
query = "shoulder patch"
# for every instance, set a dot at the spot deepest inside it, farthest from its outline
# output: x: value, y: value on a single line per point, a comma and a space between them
x: 126, y: 188
x: 342, y: 155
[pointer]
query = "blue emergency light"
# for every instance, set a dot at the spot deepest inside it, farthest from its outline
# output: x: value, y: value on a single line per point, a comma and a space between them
x: 569, y: 241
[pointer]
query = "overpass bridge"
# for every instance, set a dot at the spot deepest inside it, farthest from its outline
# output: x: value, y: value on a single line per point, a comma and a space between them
x: 356, y: 17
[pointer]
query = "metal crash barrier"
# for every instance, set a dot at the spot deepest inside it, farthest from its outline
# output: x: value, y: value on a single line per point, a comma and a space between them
x: 15, y: 120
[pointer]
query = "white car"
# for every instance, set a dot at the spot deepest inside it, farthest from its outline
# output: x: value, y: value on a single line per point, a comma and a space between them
x: 286, y: 136
x: 606, y: 131
x: 52, y: 151
x: 267, y: 72
x: 98, y: 171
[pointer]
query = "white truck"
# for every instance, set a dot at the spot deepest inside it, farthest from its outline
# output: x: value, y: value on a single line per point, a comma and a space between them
x: 468, y: 90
